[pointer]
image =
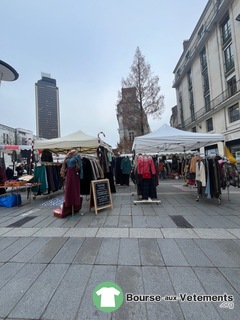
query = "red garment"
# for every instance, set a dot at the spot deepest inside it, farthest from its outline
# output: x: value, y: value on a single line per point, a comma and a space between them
x: 72, y: 188
x: 146, y: 165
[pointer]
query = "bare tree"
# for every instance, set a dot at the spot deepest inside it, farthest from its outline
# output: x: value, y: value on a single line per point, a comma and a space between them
x: 150, y: 101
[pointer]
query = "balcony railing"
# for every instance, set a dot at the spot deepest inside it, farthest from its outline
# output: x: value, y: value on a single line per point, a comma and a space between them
x: 216, y: 102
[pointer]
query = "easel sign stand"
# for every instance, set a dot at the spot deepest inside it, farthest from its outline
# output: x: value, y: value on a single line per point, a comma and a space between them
x: 100, y: 195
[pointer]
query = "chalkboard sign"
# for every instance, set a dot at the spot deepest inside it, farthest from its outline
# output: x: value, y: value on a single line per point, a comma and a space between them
x: 100, y: 195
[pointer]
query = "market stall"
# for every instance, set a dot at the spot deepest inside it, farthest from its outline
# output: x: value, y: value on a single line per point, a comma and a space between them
x: 94, y: 162
x: 172, y: 140
x: 78, y: 140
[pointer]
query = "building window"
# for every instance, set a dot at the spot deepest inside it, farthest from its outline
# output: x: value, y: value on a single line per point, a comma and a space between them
x: 189, y: 76
x: 6, y: 138
x: 181, y: 109
x: 209, y: 124
x: 191, y: 99
x: 228, y: 57
x: 205, y: 81
x: 203, y: 59
x: 192, y: 113
x: 131, y: 135
x: 234, y: 113
x: 226, y: 31
x: 207, y: 102
x: 232, y: 86
x: 194, y: 129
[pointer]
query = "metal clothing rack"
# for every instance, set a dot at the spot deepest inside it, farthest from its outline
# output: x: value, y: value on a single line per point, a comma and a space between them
x: 219, y: 197
x: 149, y: 200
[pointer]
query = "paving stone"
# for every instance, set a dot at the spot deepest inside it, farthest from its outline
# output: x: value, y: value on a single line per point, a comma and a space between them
x: 68, y: 251
x: 98, y: 221
x: 166, y: 221
x: 139, y: 221
x: 8, y: 222
x: 21, y: 232
x: 34, y: 302
x: 196, y: 222
x: 171, y: 253
x: 15, y: 289
x: 214, y: 233
x: 72, y: 288
x: 156, y: 281
x: 193, y: 253
x: 30, y: 250
x: 113, y: 232
x: 88, y: 252
x: 81, y: 232
x: 222, y: 253
x: 3, y: 231
x: 4, y: 218
x: 216, y: 284
x: 179, y: 233
x: 72, y: 222
x: 236, y: 220
x: 129, y: 252
x: 111, y: 222
x: 233, y: 277
x: 223, y: 221
x: 184, y: 281
x: 7, y: 271
x: 5, y: 242
x: 46, y: 222
x: 129, y: 278
x: 210, y: 221
x: 58, y: 223
x: 108, y: 252
x: 87, y: 310
x: 150, y: 254
x: 51, y: 232
x: 14, y: 248
x: 48, y: 252
x: 235, y: 232
x: 125, y: 221
x: 145, y: 233
x: 125, y: 211
x: 137, y: 211
x: 35, y: 221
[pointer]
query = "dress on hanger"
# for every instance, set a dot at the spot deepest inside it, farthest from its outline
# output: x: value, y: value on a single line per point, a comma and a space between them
x: 72, y: 182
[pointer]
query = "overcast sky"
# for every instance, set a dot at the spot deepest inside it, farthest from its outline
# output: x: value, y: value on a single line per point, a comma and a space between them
x: 88, y: 47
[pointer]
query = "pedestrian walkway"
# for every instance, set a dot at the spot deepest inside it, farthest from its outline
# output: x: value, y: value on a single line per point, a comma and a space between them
x: 182, y: 249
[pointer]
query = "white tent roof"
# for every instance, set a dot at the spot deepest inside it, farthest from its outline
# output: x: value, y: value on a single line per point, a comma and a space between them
x: 173, y: 140
x: 78, y: 140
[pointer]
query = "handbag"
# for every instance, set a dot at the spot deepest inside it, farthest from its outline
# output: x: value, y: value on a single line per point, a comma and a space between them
x: 10, y: 201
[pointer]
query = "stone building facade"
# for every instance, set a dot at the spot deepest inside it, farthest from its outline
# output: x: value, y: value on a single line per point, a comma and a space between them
x: 207, y: 76
x: 132, y: 121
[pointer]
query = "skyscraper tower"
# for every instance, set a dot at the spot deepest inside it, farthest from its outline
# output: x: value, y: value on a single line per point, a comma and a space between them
x: 47, y: 107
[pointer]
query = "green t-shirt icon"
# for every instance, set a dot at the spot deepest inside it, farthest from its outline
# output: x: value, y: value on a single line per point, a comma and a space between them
x: 107, y: 296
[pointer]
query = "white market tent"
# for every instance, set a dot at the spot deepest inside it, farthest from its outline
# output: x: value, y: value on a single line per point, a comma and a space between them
x: 172, y: 140
x: 78, y: 140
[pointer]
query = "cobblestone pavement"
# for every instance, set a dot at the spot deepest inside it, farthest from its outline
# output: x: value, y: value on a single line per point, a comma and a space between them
x: 182, y: 248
